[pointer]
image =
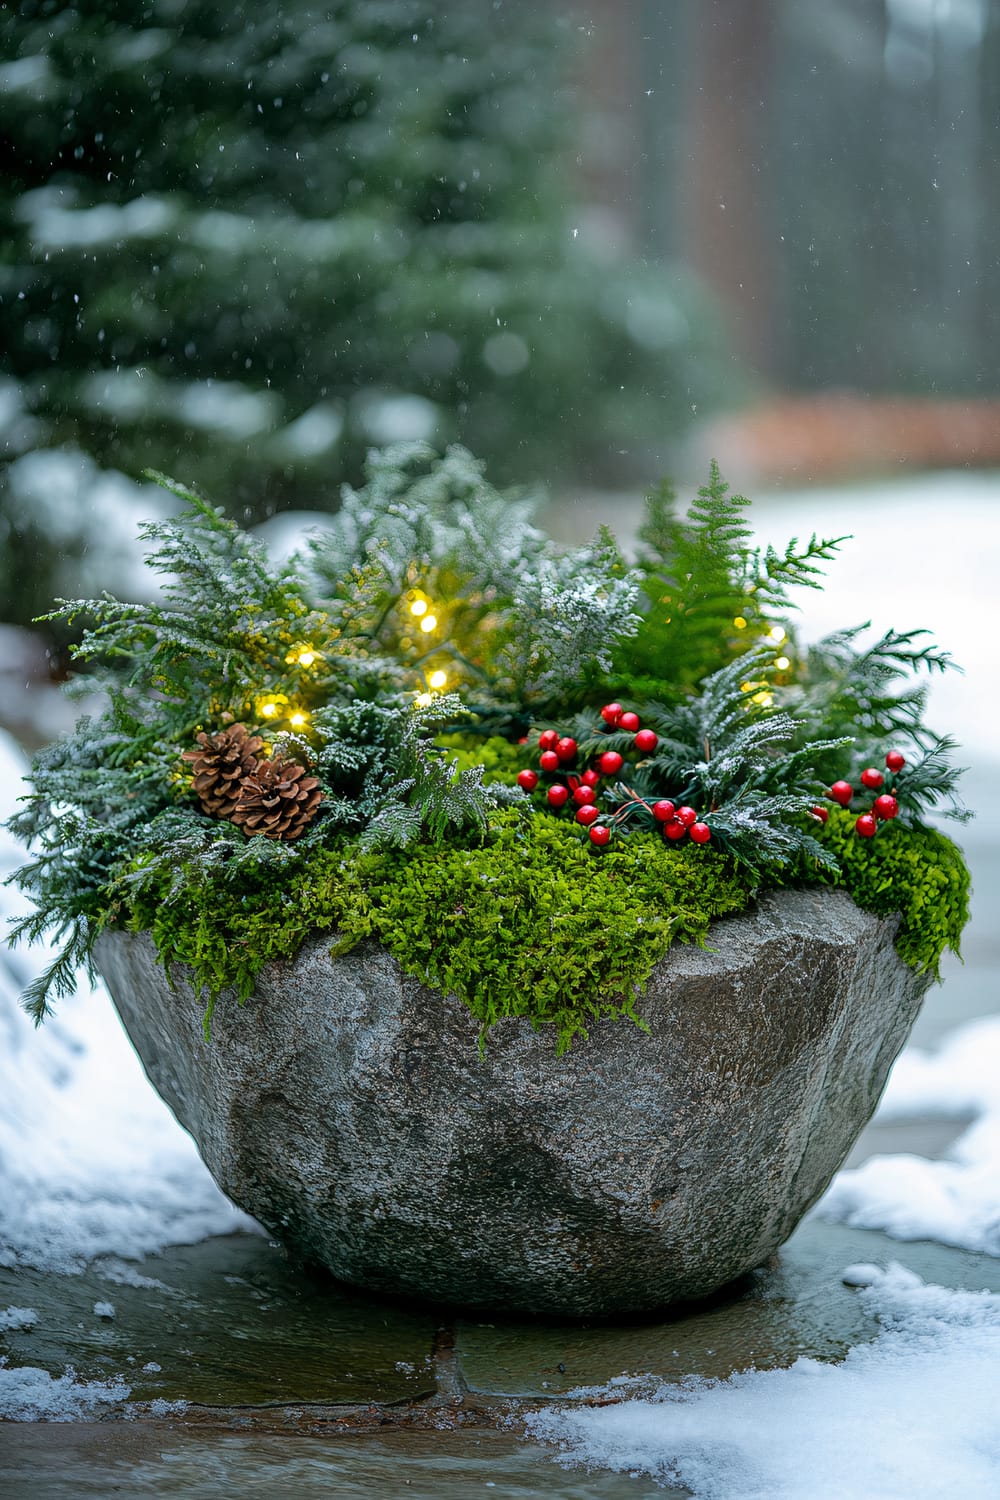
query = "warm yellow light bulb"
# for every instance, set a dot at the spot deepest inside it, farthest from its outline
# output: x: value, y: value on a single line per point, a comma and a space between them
x: 764, y: 699
x: 438, y: 679
x: 776, y: 633
x: 782, y: 664
x: 268, y: 710
x: 428, y: 623
x: 740, y: 623
x: 306, y: 658
x: 424, y: 700
x: 297, y: 719
x: 418, y: 607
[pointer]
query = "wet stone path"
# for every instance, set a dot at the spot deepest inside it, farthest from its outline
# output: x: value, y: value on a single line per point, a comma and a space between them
x: 270, y: 1356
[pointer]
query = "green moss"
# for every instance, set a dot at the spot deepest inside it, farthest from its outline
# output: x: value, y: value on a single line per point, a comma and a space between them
x: 535, y: 924
x: 501, y: 759
x: 532, y: 922
x: 917, y: 872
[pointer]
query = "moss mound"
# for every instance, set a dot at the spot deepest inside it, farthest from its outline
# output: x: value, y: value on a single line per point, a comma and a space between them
x: 917, y: 872
x: 530, y: 922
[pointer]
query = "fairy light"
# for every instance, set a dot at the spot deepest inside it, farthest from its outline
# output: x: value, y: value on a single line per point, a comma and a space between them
x: 764, y: 699
x: 437, y: 679
x: 297, y: 719
x: 740, y: 623
x: 424, y: 700
x: 428, y: 623
x: 782, y: 664
x: 306, y: 658
x: 268, y: 710
x: 777, y: 634
x: 418, y: 607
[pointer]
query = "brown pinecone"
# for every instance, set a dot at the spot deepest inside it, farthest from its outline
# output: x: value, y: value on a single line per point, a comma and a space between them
x: 278, y: 799
x: 221, y: 764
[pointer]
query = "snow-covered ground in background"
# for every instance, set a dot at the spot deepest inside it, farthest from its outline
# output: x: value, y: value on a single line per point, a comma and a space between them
x: 923, y: 554
x: 955, y: 1200
x: 92, y: 1163
x: 915, y: 1415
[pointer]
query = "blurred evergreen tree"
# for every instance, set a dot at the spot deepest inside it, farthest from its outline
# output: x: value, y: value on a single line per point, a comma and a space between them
x: 242, y: 244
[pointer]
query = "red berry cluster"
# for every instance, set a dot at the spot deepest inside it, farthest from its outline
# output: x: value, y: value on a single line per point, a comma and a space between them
x: 883, y: 808
x: 559, y: 754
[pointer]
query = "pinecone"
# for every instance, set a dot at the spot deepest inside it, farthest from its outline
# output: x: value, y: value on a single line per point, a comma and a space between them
x: 221, y: 765
x: 278, y: 799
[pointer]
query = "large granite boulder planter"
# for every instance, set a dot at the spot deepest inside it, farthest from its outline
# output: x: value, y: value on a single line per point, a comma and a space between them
x: 348, y: 1108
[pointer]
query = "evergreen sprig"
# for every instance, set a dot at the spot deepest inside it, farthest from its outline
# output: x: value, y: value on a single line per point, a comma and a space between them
x: 708, y: 589
x: 728, y: 753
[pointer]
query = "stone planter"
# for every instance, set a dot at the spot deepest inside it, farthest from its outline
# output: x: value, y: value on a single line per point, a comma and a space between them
x: 347, y: 1107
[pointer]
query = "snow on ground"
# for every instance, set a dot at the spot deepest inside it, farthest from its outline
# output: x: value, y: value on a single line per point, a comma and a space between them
x: 92, y: 1163
x: 915, y: 1415
x: 955, y: 1200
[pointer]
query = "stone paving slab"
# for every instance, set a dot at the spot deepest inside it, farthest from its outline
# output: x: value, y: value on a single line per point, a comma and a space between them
x: 796, y: 1306
x: 133, y: 1461
x: 228, y: 1322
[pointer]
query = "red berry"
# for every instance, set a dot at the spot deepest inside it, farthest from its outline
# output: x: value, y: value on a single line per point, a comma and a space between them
x: 646, y: 740
x: 587, y: 815
x: 885, y: 806
x: 872, y: 779
x: 865, y: 826
x: 566, y: 749
x: 610, y: 762
x: 820, y: 813
x: 895, y: 761
x: 663, y: 811
x: 687, y: 817
x: 549, y: 760
x: 611, y: 713
x: 528, y: 780
x: 558, y: 795
x: 674, y: 830
x: 590, y: 778
x: 583, y: 795
x: 600, y: 834
x: 842, y: 792
x: 628, y: 721
x: 700, y: 833
x: 548, y: 739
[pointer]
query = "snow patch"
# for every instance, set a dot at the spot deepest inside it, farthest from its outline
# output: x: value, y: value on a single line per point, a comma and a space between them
x: 955, y: 1200
x: 16, y: 1319
x: 915, y: 1415
x: 32, y: 1395
x: 92, y: 1163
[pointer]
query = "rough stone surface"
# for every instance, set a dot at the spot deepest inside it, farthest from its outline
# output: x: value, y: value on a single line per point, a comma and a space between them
x: 348, y: 1108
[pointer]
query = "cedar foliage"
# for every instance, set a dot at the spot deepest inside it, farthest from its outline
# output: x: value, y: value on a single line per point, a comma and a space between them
x: 415, y: 832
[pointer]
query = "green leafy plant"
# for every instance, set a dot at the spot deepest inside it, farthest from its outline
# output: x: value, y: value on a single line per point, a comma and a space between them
x: 344, y: 744
x: 707, y: 589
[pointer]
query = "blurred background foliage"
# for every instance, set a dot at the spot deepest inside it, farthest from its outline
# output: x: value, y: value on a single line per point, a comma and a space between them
x: 244, y: 244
